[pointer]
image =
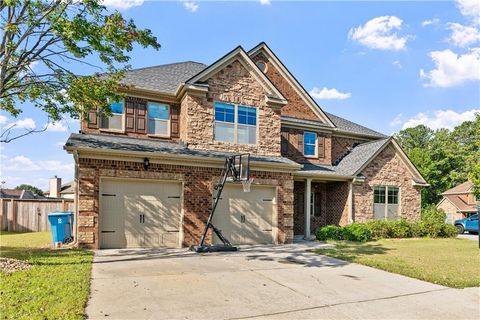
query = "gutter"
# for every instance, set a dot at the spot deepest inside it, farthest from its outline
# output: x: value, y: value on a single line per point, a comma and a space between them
x: 76, y: 200
x: 189, y: 160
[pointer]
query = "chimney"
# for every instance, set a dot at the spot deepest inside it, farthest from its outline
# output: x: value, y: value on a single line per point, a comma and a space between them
x: 55, y: 187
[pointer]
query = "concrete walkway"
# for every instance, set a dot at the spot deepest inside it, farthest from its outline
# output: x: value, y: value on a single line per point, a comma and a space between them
x: 271, y: 282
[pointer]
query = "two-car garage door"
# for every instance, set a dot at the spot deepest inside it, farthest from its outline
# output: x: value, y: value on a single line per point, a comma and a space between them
x: 136, y: 213
x: 140, y: 214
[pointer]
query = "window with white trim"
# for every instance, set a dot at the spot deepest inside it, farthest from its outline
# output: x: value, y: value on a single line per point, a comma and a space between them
x: 115, y: 121
x: 158, y: 118
x: 235, y: 123
x: 386, y: 202
x: 309, y: 144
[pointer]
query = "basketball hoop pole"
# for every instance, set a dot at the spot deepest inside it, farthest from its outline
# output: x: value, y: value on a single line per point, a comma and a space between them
x: 229, y: 170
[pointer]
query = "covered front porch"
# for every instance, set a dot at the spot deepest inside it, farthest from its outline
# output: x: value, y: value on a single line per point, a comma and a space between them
x: 320, y: 202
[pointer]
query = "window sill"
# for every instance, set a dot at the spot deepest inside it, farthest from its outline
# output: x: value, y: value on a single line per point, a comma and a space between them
x: 112, y: 130
x: 311, y: 157
x: 236, y: 144
x: 161, y: 136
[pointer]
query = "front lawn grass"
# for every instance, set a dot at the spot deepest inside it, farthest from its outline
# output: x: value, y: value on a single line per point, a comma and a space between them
x: 450, y: 262
x: 56, y: 287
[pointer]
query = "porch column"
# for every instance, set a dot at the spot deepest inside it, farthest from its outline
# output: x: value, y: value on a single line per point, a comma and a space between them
x: 307, y: 196
x: 350, y: 202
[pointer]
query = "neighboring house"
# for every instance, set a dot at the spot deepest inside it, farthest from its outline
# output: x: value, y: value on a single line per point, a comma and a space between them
x: 146, y: 173
x: 17, y: 194
x: 59, y: 190
x: 458, y: 202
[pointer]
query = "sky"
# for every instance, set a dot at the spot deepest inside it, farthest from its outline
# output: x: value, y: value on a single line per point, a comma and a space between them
x: 386, y: 65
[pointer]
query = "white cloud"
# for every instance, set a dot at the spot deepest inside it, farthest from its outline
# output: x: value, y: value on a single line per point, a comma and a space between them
x: 397, y: 64
x: 470, y: 9
x: 463, y: 36
x: 3, y: 119
x: 56, y: 127
x: 265, y: 2
x: 430, y: 22
x: 27, y: 123
x: 23, y: 163
x: 191, y: 6
x: 448, y: 119
x: 122, y: 4
x: 329, y: 94
x: 452, y: 69
x: 397, y: 120
x: 379, y: 33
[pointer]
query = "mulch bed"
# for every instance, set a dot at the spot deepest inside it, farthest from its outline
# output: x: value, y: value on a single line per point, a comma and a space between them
x: 12, y: 265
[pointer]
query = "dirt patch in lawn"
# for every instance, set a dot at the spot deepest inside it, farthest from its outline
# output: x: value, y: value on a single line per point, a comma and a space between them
x: 12, y: 265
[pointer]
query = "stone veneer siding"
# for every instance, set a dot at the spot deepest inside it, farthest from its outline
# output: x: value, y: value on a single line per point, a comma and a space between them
x: 390, y: 170
x: 198, y: 186
x: 233, y: 84
x: 295, y: 152
x: 296, y: 106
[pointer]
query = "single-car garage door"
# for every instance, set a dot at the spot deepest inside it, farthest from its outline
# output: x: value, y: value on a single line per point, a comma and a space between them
x: 246, y: 217
x: 140, y: 214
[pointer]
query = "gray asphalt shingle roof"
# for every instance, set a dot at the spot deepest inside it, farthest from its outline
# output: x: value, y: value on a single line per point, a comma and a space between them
x: 349, y: 126
x: 163, y: 78
x: 110, y: 142
x: 352, y: 162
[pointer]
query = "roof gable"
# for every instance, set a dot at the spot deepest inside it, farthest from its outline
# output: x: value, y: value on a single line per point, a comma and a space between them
x: 295, y: 84
x: 466, y: 187
x: 238, y: 54
x: 374, y: 153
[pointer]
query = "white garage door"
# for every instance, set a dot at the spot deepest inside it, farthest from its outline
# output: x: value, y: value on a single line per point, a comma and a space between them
x: 246, y: 218
x: 140, y: 214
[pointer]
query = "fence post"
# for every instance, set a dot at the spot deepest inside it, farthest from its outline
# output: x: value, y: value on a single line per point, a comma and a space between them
x: 1, y: 214
x: 14, y: 216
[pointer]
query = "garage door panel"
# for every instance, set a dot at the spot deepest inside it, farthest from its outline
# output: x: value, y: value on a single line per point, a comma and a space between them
x: 246, y: 218
x: 142, y: 213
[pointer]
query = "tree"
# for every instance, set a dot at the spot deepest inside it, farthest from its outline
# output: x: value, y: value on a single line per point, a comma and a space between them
x: 41, y: 37
x: 31, y: 188
x: 445, y: 158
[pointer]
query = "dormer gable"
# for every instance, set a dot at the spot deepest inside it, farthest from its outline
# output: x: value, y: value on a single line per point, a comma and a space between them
x: 199, y: 82
x: 300, y: 104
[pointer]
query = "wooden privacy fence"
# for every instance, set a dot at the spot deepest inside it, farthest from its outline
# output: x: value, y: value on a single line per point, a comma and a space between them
x: 25, y: 215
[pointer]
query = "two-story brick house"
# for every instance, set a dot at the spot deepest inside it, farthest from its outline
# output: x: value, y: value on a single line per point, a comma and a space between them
x: 145, y: 175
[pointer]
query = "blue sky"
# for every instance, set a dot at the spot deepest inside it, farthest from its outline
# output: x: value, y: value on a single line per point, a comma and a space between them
x: 386, y: 65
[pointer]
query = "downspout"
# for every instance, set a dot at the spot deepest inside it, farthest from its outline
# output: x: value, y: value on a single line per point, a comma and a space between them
x: 75, y: 200
x: 350, y: 202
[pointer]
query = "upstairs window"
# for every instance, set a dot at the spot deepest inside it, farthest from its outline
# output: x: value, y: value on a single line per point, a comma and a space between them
x: 310, y: 144
x: 235, y: 123
x: 115, y: 121
x: 158, y: 119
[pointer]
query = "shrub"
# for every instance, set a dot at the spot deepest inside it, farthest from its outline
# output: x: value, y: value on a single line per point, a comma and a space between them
x: 357, y: 232
x: 431, y: 228
x: 379, y: 228
x: 329, y: 233
x: 432, y: 214
x: 399, y: 229
x: 416, y: 230
x: 448, y: 231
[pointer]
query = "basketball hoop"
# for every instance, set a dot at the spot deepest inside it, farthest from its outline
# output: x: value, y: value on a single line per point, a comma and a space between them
x: 246, y: 184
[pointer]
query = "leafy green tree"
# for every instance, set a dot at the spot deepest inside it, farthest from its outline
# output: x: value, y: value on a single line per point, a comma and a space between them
x: 445, y: 158
x: 41, y: 38
x: 31, y: 188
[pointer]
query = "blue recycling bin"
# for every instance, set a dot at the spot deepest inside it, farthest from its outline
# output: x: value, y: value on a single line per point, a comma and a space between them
x: 61, y: 224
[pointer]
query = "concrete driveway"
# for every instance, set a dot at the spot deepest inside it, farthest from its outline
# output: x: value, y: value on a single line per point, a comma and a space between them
x: 273, y: 282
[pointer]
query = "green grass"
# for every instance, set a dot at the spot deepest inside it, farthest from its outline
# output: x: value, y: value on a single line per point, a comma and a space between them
x: 57, y: 286
x: 450, y: 262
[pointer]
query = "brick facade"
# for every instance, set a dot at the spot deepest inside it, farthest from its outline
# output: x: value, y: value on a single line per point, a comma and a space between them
x: 387, y: 169
x: 341, y: 146
x: 295, y: 150
x: 450, y: 209
x: 233, y: 84
x: 198, y: 185
x: 296, y: 106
